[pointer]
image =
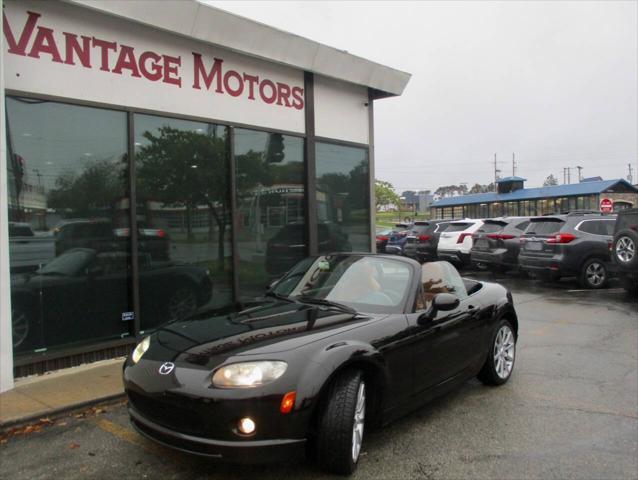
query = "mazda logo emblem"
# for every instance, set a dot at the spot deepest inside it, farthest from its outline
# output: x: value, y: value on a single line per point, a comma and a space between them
x: 166, y: 368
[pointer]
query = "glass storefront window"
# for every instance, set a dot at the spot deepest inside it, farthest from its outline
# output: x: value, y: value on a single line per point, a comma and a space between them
x: 270, y: 200
x: 343, y: 198
x: 183, y: 216
x: 68, y: 199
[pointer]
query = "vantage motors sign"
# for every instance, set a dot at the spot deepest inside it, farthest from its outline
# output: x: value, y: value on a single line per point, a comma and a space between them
x: 66, y: 51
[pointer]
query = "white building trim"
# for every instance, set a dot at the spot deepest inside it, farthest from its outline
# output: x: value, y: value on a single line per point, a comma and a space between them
x: 224, y: 29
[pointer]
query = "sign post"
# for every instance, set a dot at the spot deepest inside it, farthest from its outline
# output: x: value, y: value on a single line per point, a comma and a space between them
x: 606, y: 205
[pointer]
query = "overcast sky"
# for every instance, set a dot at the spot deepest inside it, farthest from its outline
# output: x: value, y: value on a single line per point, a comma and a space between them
x: 556, y: 83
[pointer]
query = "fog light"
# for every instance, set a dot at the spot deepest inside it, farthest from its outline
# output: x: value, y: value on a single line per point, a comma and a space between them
x: 246, y: 426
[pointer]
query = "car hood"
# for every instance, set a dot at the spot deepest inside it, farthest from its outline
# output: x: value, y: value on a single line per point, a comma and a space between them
x: 260, y: 328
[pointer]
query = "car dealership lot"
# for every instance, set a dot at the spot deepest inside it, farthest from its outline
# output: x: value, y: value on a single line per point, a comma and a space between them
x: 569, y: 411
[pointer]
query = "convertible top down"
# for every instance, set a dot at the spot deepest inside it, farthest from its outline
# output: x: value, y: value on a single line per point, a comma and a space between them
x: 341, y: 342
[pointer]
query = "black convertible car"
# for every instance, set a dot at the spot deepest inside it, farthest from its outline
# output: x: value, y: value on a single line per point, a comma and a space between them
x: 341, y: 341
x: 83, y: 293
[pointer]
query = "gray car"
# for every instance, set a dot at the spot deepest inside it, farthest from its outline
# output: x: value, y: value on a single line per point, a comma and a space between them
x: 496, y: 244
x: 575, y: 244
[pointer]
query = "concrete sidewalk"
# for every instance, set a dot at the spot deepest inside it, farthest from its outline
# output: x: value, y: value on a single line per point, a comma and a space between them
x: 50, y: 394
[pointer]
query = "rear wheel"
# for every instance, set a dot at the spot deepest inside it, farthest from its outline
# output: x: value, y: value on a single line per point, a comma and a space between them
x: 20, y: 325
x: 341, y: 424
x: 499, y: 363
x: 593, y: 274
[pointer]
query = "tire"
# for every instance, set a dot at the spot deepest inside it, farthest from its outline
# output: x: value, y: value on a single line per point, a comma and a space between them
x: 593, y: 274
x: 341, y: 422
x: 20, y: 326
x: 499, y: 364
x: 625, y: 249
x: 181, y: 303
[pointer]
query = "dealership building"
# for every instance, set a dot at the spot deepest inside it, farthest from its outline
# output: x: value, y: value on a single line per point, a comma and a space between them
x: 513, y: 199
x: 162, y: 157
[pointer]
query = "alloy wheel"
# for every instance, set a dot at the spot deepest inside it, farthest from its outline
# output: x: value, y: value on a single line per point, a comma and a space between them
x: 359, y: 417
x: 182, y: 304
x: 595, y: 274
x: 504, y: 351
x: 625, y: 249
x: 19, y: 326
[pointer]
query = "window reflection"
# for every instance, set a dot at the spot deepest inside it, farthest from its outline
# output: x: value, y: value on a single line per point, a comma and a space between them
x: 183, y: 208
x: 271, y: 237
x: 343, y: 207
x: 68, y: 197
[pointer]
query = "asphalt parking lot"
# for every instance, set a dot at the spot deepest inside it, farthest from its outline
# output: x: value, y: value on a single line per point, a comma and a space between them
x: 569, y: 411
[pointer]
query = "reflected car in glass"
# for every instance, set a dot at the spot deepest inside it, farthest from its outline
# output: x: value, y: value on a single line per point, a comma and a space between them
x: 340, y: 343
x: 85, y: 294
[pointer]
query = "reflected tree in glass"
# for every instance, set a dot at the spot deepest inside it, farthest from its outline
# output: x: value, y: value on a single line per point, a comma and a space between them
x: 181, y: 167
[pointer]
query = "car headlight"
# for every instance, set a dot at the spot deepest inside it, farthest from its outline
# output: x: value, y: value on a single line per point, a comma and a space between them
x: 140, y: 349
x: 249, y: 374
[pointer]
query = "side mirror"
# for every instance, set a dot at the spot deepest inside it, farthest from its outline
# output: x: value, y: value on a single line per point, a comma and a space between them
x: 442, y: 302
x: 272, y: 285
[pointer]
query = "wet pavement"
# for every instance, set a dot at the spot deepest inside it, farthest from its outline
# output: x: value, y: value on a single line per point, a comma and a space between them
x: 569, y: 411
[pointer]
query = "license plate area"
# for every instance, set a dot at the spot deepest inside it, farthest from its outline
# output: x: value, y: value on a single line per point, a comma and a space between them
x: 533, y: 246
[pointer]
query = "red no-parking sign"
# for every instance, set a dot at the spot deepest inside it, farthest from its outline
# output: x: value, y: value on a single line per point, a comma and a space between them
x: 606, y: 205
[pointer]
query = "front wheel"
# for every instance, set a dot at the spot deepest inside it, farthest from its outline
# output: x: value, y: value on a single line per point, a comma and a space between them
x: 182, y: 303
x: 593, y: 274
x: 499, y: 363
x: 341, y: 424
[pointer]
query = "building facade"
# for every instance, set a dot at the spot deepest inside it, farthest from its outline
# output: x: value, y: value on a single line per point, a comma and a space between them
x: 512, y: 199
x: 165, y: 157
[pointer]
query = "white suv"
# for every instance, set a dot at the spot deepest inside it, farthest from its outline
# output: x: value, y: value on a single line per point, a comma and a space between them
x: 456, y: 241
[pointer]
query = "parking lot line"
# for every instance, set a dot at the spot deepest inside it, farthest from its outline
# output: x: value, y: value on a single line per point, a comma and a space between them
x: 122, y: 433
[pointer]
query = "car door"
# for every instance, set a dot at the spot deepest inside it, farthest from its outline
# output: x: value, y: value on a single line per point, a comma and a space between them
x: 108, y: 281
x: 444, y: 346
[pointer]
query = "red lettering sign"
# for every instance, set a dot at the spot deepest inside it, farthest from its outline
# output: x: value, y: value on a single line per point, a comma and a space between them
x: 112, y: 57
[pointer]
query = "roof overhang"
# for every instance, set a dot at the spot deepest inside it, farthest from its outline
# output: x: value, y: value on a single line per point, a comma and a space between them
x: 211, y: 25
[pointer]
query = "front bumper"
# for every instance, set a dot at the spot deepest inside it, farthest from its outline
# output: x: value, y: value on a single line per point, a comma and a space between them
x: 246, y: 451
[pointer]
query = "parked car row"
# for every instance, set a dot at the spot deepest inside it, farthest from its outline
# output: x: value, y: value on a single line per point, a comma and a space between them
x: 587, y: 245
x: 31, y: 250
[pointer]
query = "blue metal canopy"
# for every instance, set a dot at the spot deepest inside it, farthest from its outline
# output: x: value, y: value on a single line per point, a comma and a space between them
x: 572, y: 189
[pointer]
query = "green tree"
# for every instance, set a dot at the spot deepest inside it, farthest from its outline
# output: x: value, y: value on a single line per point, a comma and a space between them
x: 550, y: 181
x: 91, y: 193
x: 187, y: 168
x: 384, y: 194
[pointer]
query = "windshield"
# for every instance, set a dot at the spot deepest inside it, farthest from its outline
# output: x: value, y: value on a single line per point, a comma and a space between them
x: 70, y: 263
x: 368, y: 284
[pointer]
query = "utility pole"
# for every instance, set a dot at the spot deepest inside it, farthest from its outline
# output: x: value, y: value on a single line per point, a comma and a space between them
x: 630, y: 177
x: 513, y: 165
x: 496, y: 172
x: 580, y: 175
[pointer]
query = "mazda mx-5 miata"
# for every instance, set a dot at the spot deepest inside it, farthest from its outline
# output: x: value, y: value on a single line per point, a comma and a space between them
x: 342, y: 341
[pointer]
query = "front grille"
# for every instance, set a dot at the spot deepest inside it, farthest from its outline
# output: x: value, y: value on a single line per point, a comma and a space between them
x: 168, y: 412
